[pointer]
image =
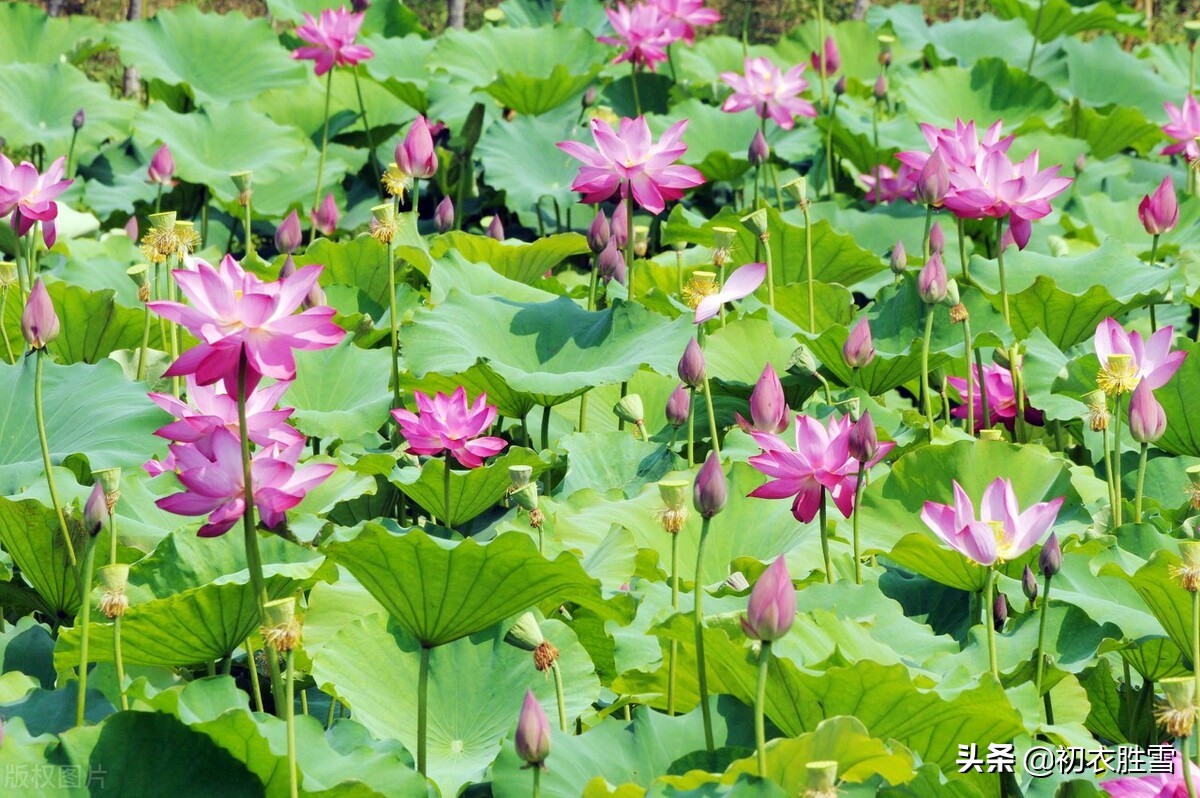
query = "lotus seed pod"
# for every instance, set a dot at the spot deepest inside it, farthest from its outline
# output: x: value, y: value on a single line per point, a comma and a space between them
x: 756, y: 222
x: 8, y: 275
x: 822, y: 779
x: 1178, y: 715
x: 991, y: 435
x: 282, y: 628
x: 525, y: 634
x: 798, y: 190
x: 674, y: 514
x: 630, y: 409
x: 112, y: 580
x: 641, y: 240
x: 803, y: 362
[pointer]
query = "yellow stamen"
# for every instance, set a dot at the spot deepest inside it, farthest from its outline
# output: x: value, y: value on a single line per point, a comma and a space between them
x: 702, y: 284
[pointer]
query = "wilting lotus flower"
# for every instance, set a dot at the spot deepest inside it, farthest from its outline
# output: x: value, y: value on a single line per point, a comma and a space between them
x: 632, y: 159
x: 885, y: 185
x: 416, y: 156
x: 443, y: 215
x: 711, y: 490
x: 772, y: 607
x: 821, y: 461
x: 214, y: 484
x: 533, y: 732
x: 684, y: 16
x: 234, y: 314
x: 829, y: 55
x: 1001, y: 533
x: 743, y: 282
x: 39, y: 322
x: 1184, y: 127
x: 679, y: 406
x: 1001, y: 398
x: 288, y: 236
x: 643, y: 30
x: 768, y: 406
x: 1159, y: 212
x: 162, y: 167
x: 1160, y: 785
x: 859, y: 349
x: 30, y: 196
x: 998, y: 188
x: 1147, y: 419
x: 332, y: 38
x: 1152, y: 360
x: 772, y: 94
x: 449, y: 424
x: 325, y: 217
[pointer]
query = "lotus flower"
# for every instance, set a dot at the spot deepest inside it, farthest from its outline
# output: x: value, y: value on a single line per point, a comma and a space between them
x: 932, y: 283
x: 684, y: 16
x: 495, y: 228
x: 332, y: 39
x: 820, y: 461
x: 759, y: 151
x: 325, y: 216
x: 1001, y: 397
x: 1147, y: 419
x: 30, y: 196
x: 162, y: 167
x: 772, y: 94
x: 1001, y: 533
x: 829, y: 57
x: 768, y: 405
x: 643, y: 30
x: 1184, y: 127
x: 1159, y: 785
x: 859, y: 349
x: 598, y: 233
x: 772, y: 607
x: 611, y: 263
x: 416, y: 156
x: 885, y: 185
x: 95, y: 510
x: 214, y: 484
x: 1153, y: 360
x: 743, y: 282
x: 443, y: 215
x: 692, y: 368
x: 933, y: 181
x: 448, y: 424
x: 711, y: 490
x: 288, y: 236
x: 632, y: 159
x: 533, y: 732
x: 679, y: 406
x: 999, y: 188
x: 961, y: 147
x: 39, y: 322
x: 1159, y: 212
x: 234, y: 314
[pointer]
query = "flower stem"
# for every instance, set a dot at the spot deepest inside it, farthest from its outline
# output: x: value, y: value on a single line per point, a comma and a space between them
x: 1153, y: 260
x: 701, y: 674
x: 925, y: 236
x: 85, y: 616
x: 927, y: 403
x: 290, y: 718
x: 246, y: 224
x: 446, y: 495
x: 422, y: 708
x: 558, y: 692
x: 119, y: 661
x: 629, y: 270
x: 8, y: 350
x: 1118, y: 510
x: 637, y: 101
x: 362, y: 107
x: 1186, y: 766
x: 537, y: 781
x: 760, y: 733
x: 692, y: 428
x: 1015, y: 366
x: 858, y: 484
x: 821, y: 46
x: 546, y: 427
x: 712, y: 418
x: 970, y: 379
x: 962, y: 251
x: 823, y: 520
x: 1037, y: 24
x: 1196, y: 647
x: 1108, y: 473
x: 1041, y: 644
x: 254, y: 686
x: 395, y: 324
x: 41, y: 426
x: 771, y: 277
x: 671, y: 663
x: 141, y: 363
x: 1141, y: 482
x: 1000, y: 265
x: 808, y: 267
x: 829, y: 143
x: 986, y: 421
x: 312, y: 233
x: 989, y: 601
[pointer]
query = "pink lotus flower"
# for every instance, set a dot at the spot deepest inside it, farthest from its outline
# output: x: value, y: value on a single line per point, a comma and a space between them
x: 1153, y: 360
x: 932, y: 183
x: 961, y: 146
x: 39, y: 322
x: 30, y: 196
x: 771, y: 93
x: 325, y: 216
x: 820, y: 461
x: 772, y: 608
x: 1001, y: 397
x: 886, y: 185
x: 684, y: 16
x: 999, y: 188
x: 533, y: 732
x: 1159, y: 212
x: 214, y: 485
x: 1184, y: 127
x: 1001, y: 533
x: 1147, y: 419
x: 415, y: 156
x: 631, y: 159
x: 448, y: 424
x: 332, y: 39
x: 742, y: 283
x: 289, y: 236
x: 234, y: 314
x: 209, y: 407
x: 710, y: 491
x: 643, y: 30
x: 1159, y: 785
x: 829, y: 57
x: 768, y: 405
x: 162, y: 167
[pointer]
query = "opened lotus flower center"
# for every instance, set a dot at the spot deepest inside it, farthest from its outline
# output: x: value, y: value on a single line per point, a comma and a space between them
x: 1118, y: 376
x: 702, y: 284
x: 1004, y: 548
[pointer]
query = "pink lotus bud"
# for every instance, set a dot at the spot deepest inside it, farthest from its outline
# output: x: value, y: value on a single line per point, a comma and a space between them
x: 360, y: 6
x: 325, y: 217
x: 1000, y: 611
x: 39, y: 322
x: 1159, y: 211
x: 863, y: 442
x: 880, y: 89
x: 899, y: 258
x: 131, y: 229
x: 1050, y: 557
x: 495, y: 228
x: 933, y: 181
x: 288, y: 268
x: 832, y: 58
x: 620, y: 225
x: 315, y: 298
x: 931, y: 282
x: 162, y: 166
x: 611, y: 263
x: 839, y: 88
x: 759, y: 151
x: 937, y: 238
x: 49, y: 232
x: 859, y: 349
x: 416, y: 156
x: 598, y: 232
x: 589, y: 97
x: 679, y: 406
x: 692, y: 366
x: 443, y: 215
x: 710, y: 491
x: 1080, y: 163
x: 768, y: 407
x: 1029, y: 584
x: 533, y: 732
x: 1147, y: 421
x: 772, y: 607
x: 288, y: 235
x: 95, y: 510
x: 79, y: 119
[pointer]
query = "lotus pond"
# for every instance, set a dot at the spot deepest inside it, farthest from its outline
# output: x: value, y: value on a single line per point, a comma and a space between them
x: 595, y: 404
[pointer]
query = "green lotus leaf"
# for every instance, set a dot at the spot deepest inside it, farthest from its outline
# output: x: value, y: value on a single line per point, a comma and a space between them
x: 518, y: 261
x: 39, y: 101
x: 1112, y: 707
x: 29, y: 36
x: 520, y: 159
x: 1112, y: 132
x: 389, y: 19
x: 31, y: 535
x: 113, y: 424
x: 1161, y: 593
x: 964, y: 40
x: 1056, y: 18
x: 923, y: 555
x: 473, y: 491
x: 604, y: 461
x: 400, y: 65
x: 360, y: 262
x: 324, y: 406
x: 477, y: 57
x: 1101, y: 74
x: 1177, y: 398
x: 413, y: 575
x: 1154, y: 658
x: 990, y: 91
x: 534, y: 95
x: 217, y: 58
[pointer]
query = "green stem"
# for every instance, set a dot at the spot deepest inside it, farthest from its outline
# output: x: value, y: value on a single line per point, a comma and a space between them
x: 760, y: 733
x: 691, y: 450
x: 395, y: 324
x: 119, y: 661
x: 985, y: 422
x: 158, y: 200
x: 808, y: 266
x: 312, y: 233
x: 823, y: 520
x: 247, y: 225
x: 446, y: 495
x: 821, y: 49
x: 637, y: 101
x: 1015, y: 361
x: 962, y: 251
x: 546, y: 427
x: 422, y: 708
x: 925, y: 237
x: 771, y: 278
x: 558, y: 692
x: 989, y: 602
x: 1108, y: 475
x: 1118, y: 510
x: 1186, y: 767
x: 537, y: 781
x: 85, y: 616
x: 41, y: 426
x: 362, y: 107
x: 1041, y: 644
x: 701, y: 674
x: 1141, y: 482
x: 142, y: 353
x: 671, y: 663
x: 1000, y: 264
x: 629, y: 270
x: 678, y: 274
x: 1037, y: 25
x: 1196, y: 648
x: 858, y: 483
x: 829, y: 140
x: 8, y: 350
x: 1153, y: 260
x: 329, y: 715
x: 927, y: 402
x: 290, y: 717
x: 255, y: 688
x: 71, y: 152
x: 712, y: 418
x: 970, y: 379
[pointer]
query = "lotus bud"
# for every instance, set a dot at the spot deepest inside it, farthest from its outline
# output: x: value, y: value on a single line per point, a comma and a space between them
x: 1029, y: 585
x: 325, y: 217
x: 673, y: 493
x: 829, y: 57
x: 495, y: 228
x: 360, y: 6
x: 630, y: 410
x: 757, y: 223
x: 736, y: 582
x: 863, y: 441
x: 798, y: 190
x: 282, y: 628
x: 598, y: 233
x: 1147, y: 420
x: 679, y: 406
x: 8, y: 275
x: 39, y: 322
x: 416, y: 156
x: 288, y: 268
x: 931, y: 282
x: 1159, y: 212
x: 711, y: 490
x: 315, y: 298
x: 899, y: 258
x: 880, y: 88
x: 641, y: 240
x: 768, y: 406
x: 78, y: 120
x: 289, y: 236
x: 859, y: 349
x: 242, y: 182
x: 692, y: 366
x: 937, y: 238
x: 1000, y: 611
x: 759, y: 150
x: 95, y: 510
x: 131, y: 228
x: 443, y: 215
x: 933, y: 181
x: 112, y: 579
x: 822, y: 780
x: 589, y: 97
x: 162, y: 166
x: 991, y: 435
x: 611, y: 263
x: 803, y: 362
x: 772, y: 607
x: 1178, y: 715
x: 533, y: 733
x: 839, y: 88
x: 1050, y: 557
x: 620, y: 225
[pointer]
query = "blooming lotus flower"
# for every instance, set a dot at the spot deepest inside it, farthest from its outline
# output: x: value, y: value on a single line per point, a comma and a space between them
x: 631, y: 159
x: 684, y: 16
x: 820, y: 461
x: 533, y: 732
x: 234, y: 314
x: 162, y: 167
x: 829, y: 57
x: 1159, y: 212
x: 448, y: 424
x: 39, y: 322
x: 332, y: 38
x: 772, y: 94
x: 643, y: 30
x: 998, y: 188
x: 416, y: 156
x: 859, y: 349
x: 1001, y: 397
x: 1158, y: 785
x: 772, y: 607
x: 1184, y: 127
x: 1002, y: 532
x: 961, y: 147
x: 742, y: 283
x: 213, y: 482
x: 1147, y: 419
x: 885, y: 185
x: 29, y: 196
x: 1152, y: 359
x: 768, y: 406
x: 325, y: 216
